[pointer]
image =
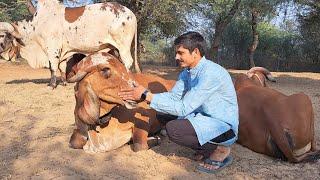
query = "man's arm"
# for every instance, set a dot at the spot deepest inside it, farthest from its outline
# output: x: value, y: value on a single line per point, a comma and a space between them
x: 163, y: 102
x: 192, y: 100
x: 136, y: 92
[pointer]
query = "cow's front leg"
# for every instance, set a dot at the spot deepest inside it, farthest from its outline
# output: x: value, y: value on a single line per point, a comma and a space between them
x: 53, y: 79
x: 62, y: 69
x: 140, y: 132
x: 79, y: 136
x: 53, y: 55
x: 107, y: 138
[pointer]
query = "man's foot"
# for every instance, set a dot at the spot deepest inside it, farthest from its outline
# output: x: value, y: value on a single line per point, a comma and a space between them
x: 217, y: 160
x: 213, y: 166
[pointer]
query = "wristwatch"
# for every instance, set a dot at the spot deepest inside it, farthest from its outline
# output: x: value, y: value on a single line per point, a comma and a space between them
x: 144, y: 95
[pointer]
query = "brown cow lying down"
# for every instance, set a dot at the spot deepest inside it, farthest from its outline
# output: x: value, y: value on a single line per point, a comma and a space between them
x: 100, y: 115
x: 272, y: 123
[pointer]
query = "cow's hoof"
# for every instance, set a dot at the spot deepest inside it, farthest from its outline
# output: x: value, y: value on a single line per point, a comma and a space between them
x: 64, y: 83
x: 52, y: 86
x: 139, y: 147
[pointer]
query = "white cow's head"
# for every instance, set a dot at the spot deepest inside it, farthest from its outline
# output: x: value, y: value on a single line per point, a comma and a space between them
x: 9, y: 38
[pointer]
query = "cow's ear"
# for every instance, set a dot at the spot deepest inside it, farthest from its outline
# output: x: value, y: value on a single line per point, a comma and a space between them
x: 106, y: 72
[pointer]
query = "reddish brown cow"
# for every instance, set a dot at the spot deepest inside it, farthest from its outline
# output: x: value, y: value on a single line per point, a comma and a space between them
x: 100, y: 77
x: 272, y: 123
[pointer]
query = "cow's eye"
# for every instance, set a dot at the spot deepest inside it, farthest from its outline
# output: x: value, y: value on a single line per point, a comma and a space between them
x: 106, y: 72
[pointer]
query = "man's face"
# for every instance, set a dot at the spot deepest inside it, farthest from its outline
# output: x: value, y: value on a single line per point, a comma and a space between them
x: 185, y: 58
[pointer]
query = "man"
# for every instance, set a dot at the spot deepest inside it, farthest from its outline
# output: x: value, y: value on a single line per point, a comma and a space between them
x: 32, y: 6
x: 203, y: 98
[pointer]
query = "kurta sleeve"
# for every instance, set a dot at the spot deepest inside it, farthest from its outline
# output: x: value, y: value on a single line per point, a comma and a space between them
x: 195, y: 97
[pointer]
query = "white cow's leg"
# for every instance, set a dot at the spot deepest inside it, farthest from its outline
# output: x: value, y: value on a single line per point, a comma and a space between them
x: 62, y: 69
x: 53, y: 71
x: 126, y: 57
x: 53, y: 56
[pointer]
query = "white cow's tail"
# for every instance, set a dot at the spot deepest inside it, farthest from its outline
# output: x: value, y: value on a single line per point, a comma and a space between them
x: 136, y: 64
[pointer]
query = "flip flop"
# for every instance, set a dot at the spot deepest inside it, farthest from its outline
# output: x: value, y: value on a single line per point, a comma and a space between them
x: 227, y: 161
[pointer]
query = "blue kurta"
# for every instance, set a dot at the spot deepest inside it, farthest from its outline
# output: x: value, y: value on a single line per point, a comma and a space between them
x: 69, y: 3
x: 204, y: 95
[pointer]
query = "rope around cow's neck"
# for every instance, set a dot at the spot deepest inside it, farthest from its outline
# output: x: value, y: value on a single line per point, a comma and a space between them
x: 258, y: 79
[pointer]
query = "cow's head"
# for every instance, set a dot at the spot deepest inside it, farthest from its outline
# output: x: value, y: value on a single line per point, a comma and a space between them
x: 100, y: 77
x: 256, y: 76
x: 9, y: 38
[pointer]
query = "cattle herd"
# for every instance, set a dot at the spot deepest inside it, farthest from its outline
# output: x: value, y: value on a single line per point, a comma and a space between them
x: 271, y: 123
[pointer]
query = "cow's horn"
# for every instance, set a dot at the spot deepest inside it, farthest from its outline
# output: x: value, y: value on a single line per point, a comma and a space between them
x: 7, y: 27
x: 271, y: 78
x: 263, y: 70
x: 15, y: 33
x: 82, y: 68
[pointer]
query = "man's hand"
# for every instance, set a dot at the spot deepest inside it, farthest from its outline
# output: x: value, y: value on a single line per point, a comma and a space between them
x: 132, y: 93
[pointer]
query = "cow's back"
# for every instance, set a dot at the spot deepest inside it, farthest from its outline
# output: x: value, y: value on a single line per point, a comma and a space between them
x: 94, y: 25
x: 155, y: 84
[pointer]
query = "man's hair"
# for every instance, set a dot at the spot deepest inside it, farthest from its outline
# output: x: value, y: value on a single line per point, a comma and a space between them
x: 190, y: 41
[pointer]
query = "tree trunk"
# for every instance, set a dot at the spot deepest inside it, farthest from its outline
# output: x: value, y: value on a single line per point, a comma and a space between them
x: 138, y: 10
x: 255, y: 36
x: 221, y: 24
x: 141, y: 12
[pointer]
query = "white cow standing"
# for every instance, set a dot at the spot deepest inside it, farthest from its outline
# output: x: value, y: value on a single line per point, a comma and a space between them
x: 57, y: 32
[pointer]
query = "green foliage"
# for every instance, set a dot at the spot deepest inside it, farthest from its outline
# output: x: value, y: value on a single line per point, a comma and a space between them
x: 158, y: 51
x: 13, y: 10
x: 275, y: 45
x: 161, y: 18
x: 309, y: 28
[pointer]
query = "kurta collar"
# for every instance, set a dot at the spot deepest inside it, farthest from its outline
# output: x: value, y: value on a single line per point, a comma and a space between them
x: 197, y: 67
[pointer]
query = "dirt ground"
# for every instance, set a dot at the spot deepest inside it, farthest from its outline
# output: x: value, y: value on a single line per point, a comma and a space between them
x: 36, y: 123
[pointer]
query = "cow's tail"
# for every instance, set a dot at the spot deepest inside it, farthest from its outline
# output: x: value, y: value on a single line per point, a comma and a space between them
x: 136, y: 64
x: 311, y: 156
x: 314, y: 154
